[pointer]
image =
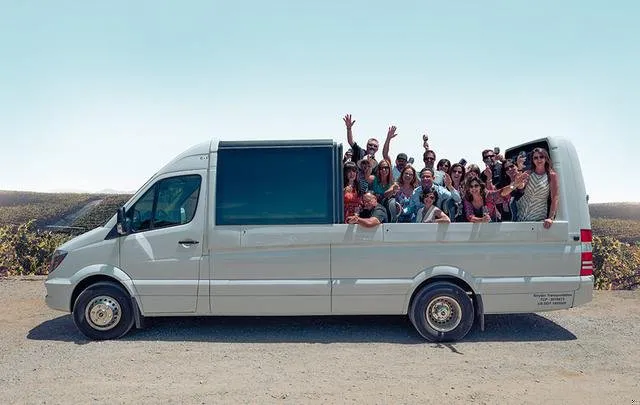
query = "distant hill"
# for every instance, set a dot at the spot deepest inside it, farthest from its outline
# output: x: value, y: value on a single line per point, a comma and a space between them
x: 17, y: 207
x: 57, y: 209
x: 626, y: 210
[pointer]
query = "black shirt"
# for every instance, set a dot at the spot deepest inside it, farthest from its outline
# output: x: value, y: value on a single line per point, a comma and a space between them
x: 377, y: 212
x: 359, y: 154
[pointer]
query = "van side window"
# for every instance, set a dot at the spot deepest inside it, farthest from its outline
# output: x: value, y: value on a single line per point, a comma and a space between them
x: 171, y: 201
x: 274, y: 186
x: 142, y: 211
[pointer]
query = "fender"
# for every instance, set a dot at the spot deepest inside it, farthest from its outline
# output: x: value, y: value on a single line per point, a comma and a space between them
x: 106, y: 270
x: 439, y: 270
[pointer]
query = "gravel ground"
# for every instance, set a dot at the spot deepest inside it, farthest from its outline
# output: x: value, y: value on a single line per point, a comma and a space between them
x: 583, y: 355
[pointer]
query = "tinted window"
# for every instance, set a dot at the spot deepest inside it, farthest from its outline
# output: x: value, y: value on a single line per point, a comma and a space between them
x: 142, y: 211
x: 274, y: 186
x: 169, y: 202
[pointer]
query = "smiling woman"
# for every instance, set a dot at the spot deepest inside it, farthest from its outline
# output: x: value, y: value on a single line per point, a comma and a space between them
x: 539, y: 201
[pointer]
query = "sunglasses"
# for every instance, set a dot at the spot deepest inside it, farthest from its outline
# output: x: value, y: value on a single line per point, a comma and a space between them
x: 489, y: 157
x: 538, y: 157
x: 372, y: 145
x: 510, y: 167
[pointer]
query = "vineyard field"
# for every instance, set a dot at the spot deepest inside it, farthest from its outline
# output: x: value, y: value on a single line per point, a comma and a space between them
x: 625, y: 230
x: 19, y: 207
x: 101, y: 213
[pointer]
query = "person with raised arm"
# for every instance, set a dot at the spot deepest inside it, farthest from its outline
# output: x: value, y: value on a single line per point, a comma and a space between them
x: 539, y: 201
x: 357, y: 152
x: 401, y: 159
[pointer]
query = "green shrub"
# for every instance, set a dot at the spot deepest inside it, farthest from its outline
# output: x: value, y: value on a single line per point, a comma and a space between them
x: 616, y: 265
x: 23, y: 250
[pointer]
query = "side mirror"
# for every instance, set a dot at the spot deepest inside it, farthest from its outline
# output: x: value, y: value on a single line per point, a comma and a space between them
x: 122, y: 224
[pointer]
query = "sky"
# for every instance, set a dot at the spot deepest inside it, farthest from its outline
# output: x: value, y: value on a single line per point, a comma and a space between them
x: 100, y: 95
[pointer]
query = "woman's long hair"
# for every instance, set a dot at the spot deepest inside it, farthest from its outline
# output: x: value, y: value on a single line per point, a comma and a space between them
x: 389, y: 177
x: 455, y: 166
x: 345, y: 177
x: 442, y: 162
x: 548, y: 163
x: 414, y: 183
x: 467, y: 187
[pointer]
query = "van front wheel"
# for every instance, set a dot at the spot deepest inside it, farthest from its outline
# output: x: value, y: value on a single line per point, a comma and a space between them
x: 103, y: 311
x: 442, y: 312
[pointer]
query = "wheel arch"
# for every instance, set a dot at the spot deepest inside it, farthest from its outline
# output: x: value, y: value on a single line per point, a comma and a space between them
x: 451, y: 274
x: 97, y: 273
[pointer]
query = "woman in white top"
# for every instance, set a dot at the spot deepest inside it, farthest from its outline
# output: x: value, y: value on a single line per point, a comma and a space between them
x: 540, y: 187
x: 430, y: 213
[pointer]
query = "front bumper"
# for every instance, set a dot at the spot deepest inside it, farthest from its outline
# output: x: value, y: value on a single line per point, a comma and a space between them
x: 59, y: 292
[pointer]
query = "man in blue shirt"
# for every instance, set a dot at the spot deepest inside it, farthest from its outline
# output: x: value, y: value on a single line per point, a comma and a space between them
x: 445, y: 192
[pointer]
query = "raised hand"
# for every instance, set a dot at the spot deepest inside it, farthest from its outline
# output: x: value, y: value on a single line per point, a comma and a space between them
x: 488, y: 172
x: 447, y: 180
x: 348, y: 121
x: 521, y: 179
x: 425, y: 141
x: 391, y: 133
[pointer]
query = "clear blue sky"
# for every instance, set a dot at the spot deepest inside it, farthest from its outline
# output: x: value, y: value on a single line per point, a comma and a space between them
x: 97, y: 95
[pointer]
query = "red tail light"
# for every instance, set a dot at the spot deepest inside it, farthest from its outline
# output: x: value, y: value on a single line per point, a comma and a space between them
x: 586, y: 257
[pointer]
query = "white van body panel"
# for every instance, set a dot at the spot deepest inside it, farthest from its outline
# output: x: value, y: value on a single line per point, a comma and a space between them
x: 165, y: 272
x: 333, y: 268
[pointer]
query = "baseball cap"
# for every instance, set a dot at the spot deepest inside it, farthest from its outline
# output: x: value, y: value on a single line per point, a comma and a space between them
x: 402, y: 156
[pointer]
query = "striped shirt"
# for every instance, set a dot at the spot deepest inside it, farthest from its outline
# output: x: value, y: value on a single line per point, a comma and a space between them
x: 533, y: 204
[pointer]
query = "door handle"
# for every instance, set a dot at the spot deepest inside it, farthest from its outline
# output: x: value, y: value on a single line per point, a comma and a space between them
x: 188, y: 242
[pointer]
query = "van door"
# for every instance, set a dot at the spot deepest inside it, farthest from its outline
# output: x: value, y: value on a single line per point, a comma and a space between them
x: 162, y: 253
x: 274, y: 214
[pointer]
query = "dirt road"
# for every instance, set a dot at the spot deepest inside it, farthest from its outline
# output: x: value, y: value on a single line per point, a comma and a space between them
x: 584, y: 355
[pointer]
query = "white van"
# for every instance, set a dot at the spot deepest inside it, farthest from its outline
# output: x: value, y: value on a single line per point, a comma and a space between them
x: 257, y: 228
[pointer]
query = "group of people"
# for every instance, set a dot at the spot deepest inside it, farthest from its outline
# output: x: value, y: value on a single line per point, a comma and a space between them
x: 377, y: 191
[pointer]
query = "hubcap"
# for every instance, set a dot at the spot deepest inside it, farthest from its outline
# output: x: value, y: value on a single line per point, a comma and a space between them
x: 443, y: 314
x: 103, y: 312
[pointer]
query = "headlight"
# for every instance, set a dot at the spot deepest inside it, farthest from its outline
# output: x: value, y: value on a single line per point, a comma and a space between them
x: 56, y: 259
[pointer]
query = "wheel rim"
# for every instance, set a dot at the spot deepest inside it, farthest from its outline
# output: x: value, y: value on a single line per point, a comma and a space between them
x: 443, y: 314
x: 103, y: 312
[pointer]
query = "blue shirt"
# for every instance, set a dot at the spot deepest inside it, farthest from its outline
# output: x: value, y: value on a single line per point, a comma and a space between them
x: 443, y: 197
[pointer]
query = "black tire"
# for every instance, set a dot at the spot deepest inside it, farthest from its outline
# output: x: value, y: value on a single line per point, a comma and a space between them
x: 451, y: 312
x: 110, y: 307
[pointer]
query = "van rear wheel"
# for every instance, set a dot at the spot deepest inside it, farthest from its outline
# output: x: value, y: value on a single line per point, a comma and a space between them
x: 103, y: 311
x: 442, y: 312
